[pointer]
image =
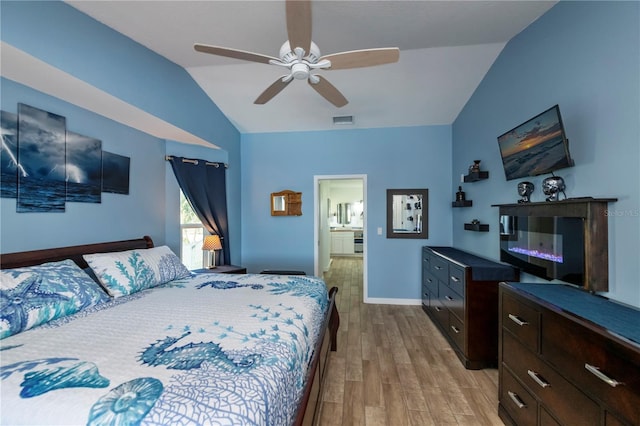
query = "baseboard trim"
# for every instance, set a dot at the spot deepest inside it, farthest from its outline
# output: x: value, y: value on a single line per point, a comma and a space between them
x: 384, y: 301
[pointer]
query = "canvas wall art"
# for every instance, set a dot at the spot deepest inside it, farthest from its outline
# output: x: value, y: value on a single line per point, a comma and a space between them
x: 41, y: 152
x: 9, y: 166
x: 84, y: 168
x: 43, y: 165
x: 115, y: 173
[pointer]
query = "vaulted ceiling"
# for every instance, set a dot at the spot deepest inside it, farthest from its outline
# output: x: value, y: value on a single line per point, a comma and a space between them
x: 446, y: 48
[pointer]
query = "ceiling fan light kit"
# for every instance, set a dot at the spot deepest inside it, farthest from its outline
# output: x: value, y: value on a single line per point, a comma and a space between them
x: 305, y: 57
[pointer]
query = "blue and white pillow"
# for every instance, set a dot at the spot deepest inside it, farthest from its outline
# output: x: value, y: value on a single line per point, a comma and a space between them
x: 126, y: 272
x: 35, y: 295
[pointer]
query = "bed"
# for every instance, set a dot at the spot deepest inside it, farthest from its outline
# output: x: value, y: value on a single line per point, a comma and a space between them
x: 217, y: 349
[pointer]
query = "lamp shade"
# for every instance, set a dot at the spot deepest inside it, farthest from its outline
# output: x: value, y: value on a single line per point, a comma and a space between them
x: 211, y: 242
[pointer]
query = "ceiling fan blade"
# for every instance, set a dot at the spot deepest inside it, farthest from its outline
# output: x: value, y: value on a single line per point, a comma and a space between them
x: 299, y: 24
x: 234, y: 53
x: 272, y: 90
x: 362, y: 58
x: 329, y: 92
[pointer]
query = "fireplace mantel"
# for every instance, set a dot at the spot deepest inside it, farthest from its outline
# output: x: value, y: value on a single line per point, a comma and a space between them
x: 594, y: 211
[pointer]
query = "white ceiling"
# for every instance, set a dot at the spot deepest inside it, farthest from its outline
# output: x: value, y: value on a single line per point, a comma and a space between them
x: 446, y: 48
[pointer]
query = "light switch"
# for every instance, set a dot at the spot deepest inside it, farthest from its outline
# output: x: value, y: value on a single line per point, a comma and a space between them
x: 379, y: 231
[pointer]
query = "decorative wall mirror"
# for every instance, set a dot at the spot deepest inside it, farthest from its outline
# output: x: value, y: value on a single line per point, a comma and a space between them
x: 286, y: 203
x: 407, y: 213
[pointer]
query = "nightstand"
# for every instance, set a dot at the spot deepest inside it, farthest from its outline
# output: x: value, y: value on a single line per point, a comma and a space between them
x: 222, y: 269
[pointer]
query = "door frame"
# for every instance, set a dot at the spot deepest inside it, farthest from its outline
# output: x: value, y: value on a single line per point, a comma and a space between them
x: 316, y: 225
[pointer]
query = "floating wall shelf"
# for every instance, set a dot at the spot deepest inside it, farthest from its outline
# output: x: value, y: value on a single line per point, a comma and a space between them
x: 477, y: 227
x: 463, y: 203
x: 476, y: 176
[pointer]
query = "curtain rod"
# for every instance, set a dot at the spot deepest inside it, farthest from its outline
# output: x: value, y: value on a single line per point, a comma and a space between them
x: 195, y: 161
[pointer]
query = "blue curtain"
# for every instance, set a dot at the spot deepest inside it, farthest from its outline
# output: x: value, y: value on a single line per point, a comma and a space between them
x: 204, y: 186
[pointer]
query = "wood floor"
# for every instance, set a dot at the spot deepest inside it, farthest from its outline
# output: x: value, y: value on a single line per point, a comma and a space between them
x: 393, y: 367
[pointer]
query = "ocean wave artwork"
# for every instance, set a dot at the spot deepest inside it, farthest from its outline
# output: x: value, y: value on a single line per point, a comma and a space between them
x: 41, y: 150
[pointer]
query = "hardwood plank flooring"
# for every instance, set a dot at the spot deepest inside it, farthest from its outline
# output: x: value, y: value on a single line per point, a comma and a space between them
x: 393, y: 367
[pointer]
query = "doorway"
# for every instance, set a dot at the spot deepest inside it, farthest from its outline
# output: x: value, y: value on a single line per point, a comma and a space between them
x: 340, y: 221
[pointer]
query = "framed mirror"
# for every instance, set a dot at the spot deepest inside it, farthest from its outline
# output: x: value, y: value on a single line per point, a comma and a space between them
x: 407, y: 213
x: 286, y: 203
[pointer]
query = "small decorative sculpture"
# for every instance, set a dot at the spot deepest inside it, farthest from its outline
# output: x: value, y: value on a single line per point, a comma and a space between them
x: 460, y: 195
x: 552, y: 186
x: 525, y: 189
x: 475, y: 167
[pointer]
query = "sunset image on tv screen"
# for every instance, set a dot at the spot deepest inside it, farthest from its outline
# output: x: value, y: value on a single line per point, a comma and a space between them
x: 535, y: 147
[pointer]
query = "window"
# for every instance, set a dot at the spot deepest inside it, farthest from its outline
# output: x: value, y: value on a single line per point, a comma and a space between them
x: 192, y: 233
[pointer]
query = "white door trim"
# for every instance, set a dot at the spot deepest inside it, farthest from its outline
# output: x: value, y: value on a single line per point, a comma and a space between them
x: 316, y: 225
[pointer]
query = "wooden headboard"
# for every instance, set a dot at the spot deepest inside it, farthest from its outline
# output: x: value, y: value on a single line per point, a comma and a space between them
x: 36, y: 257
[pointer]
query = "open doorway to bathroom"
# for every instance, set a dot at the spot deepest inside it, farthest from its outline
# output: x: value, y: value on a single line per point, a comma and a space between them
x: 340, y: 225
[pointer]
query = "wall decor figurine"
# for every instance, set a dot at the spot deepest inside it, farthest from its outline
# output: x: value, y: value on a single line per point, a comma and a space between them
x: 553, y: 186
x: 475, y: 167
x: 41, y: 152
x: 460, y: 195
x: 525, y: 189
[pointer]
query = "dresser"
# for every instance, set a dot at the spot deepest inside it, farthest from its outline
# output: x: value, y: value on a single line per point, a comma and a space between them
x: 460, y: 295
x: 567, y: 357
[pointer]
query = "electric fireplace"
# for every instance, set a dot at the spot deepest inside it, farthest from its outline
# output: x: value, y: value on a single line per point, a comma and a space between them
x: 548, y: 247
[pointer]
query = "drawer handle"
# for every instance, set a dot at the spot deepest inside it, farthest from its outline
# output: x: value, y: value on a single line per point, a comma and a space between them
x: 449, y: 298
x: 437, y: 308
x: 454, y: 279
x: 430, y: 280
x: 517, y: 320
x: 438, y: 267
x: 539, y: 380
x: 516, y: 399
x: 600, y: 375
x: 455, y: 329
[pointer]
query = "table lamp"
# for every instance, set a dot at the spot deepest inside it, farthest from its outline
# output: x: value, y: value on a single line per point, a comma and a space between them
x: 212, y: 243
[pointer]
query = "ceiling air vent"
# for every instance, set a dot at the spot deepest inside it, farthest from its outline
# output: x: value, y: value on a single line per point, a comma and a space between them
x: 343, y: 120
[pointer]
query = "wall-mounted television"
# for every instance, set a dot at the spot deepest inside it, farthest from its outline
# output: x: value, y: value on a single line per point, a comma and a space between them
x: 535, y: 147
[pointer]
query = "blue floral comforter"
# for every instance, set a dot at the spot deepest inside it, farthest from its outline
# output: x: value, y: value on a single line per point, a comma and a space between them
x: 213, y: 349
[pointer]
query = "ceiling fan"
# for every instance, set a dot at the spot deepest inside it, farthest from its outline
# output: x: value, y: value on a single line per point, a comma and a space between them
x: 301, y: 57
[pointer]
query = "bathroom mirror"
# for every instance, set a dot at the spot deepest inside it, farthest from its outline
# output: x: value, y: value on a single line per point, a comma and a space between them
x: 407, y: 213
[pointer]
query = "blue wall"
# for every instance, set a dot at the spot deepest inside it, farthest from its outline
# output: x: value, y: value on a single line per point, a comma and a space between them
x: 561, y: 58
x: 81, y: 46
x: 584, y: 56
x: 404, y: 157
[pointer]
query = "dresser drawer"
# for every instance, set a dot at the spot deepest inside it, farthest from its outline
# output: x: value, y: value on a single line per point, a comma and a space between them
x: 547, y: 420
x: 518, y: 402
x: 589, y: 359
x: 440, y: 268
x: 426, y: 296
x: 431, y: 282
x: 551, y: 388
x: 456, y: 331
x: 438, y: 311
x: 451, y: 300
x: 426, y: 259
x: 522, y: 320
x: 456, y: 279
